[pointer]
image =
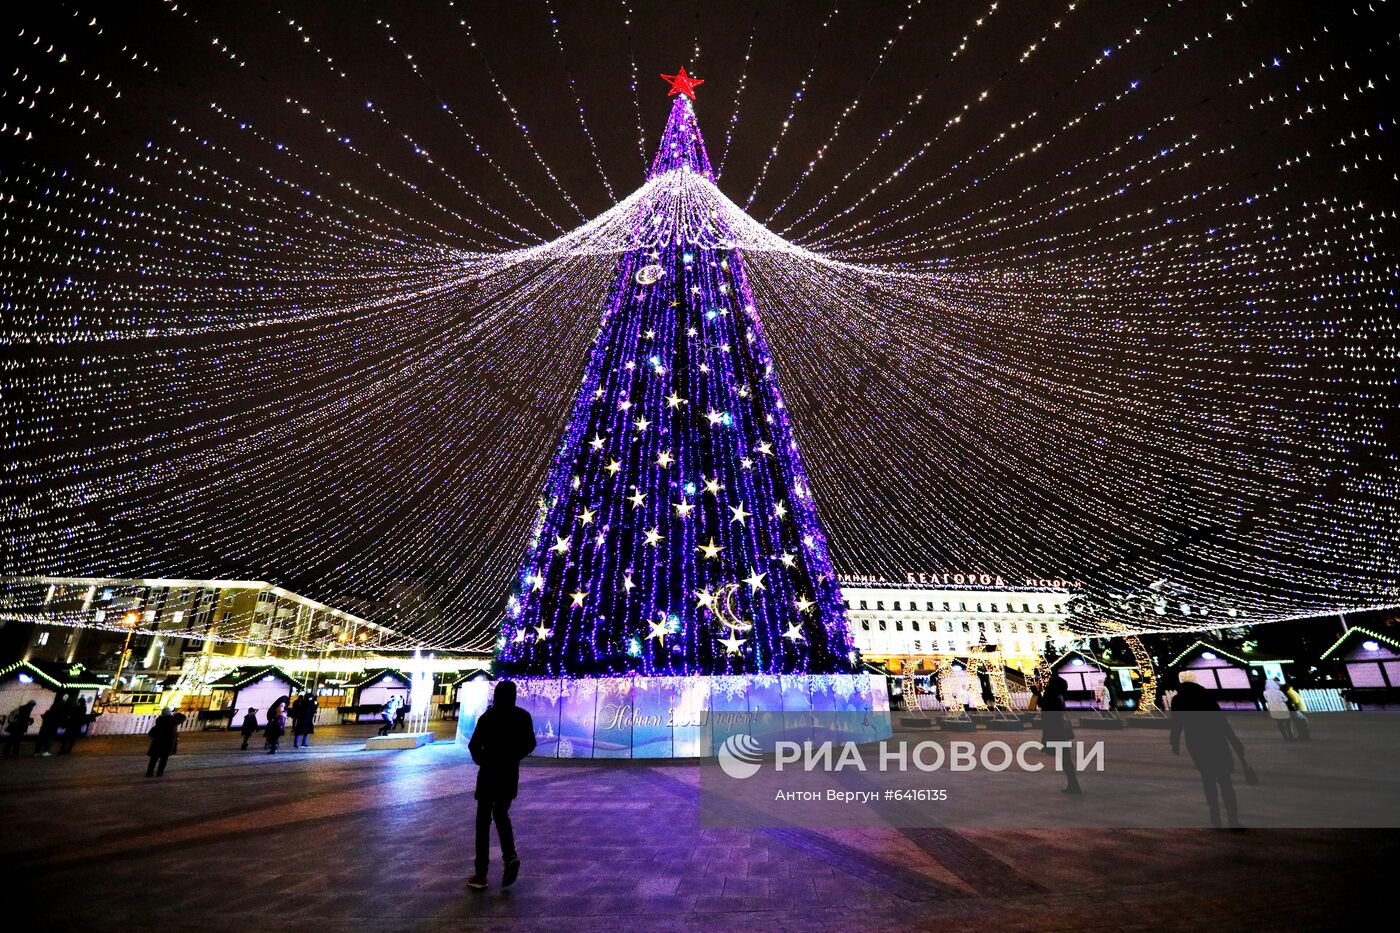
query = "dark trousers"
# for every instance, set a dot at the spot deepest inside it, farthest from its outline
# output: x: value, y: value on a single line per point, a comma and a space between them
x: 246, y: 737
x: 1219, y: 787
x: 1285, y: 728
x: 486, y: 811
x: 384, y: 729
x: 12, y: 742
x: 70, y: 738
x: 44, y: 743
x: 157, y: 765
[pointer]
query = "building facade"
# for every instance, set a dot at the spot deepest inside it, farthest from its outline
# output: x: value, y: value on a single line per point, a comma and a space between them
x: 936, y: 617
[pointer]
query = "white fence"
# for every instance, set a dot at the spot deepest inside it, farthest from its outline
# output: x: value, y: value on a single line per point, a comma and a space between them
x: 1317, y: 700
x: 131, y: 724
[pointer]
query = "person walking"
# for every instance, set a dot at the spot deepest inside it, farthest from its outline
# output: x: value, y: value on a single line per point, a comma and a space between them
x: 400, y: 714
x: 250, y: 725
x: 74, y: 723
x: 1055, y: 727
x: 1299, y: 707
x: 503, y: 736
x: 386, y: 715
x: 1209, y: 741
x: 276, y: 726
x: 51, y: 719
x: 16, y: 725
x: 165, y: 741
x: 1277, y: 705
x: 303, y: 721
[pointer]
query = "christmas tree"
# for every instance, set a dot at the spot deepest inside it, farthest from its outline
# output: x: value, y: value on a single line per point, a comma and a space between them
x: 677, y: 534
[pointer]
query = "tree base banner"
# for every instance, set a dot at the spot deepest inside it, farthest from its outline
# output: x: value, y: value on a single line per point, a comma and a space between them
x: 687, y: 717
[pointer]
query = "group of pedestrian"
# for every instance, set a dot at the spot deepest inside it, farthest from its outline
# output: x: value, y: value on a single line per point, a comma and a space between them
x: 392, y: 715
x: 299, y: 713
x: 1210, y: 740
x: 65, y: 715
x: 1287, y: 710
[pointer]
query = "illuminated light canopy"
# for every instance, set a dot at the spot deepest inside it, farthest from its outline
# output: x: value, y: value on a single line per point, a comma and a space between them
x: 1124, y: 335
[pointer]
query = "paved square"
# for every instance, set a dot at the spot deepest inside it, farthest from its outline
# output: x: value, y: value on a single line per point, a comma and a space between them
x: 336, y: 836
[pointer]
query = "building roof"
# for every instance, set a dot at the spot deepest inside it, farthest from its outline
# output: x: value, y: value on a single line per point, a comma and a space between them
x: 1075, y: 652
x: 379, y: 673
x: 1201, y: 645
x: 55, y: 675
x: 478, y: 674
x: 1360, y: 633
x: 243, y: 676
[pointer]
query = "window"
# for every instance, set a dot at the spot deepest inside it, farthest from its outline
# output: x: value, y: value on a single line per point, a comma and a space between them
x: 846, y: 603
x: 865, y: 624
x: 930, y: 607
x: 43, y: 639
x: 1044, y: 627
x: 896, y: 605
x: 898, y: 625
x: 880, y: 604
x: 914, y: 626
x: 882, y: 625
x: 996, y: 626
x: 947, y: 606
x: 862, y: 604
x: 917, y: 646
x: 1025, y: 607
x: 967, y: 627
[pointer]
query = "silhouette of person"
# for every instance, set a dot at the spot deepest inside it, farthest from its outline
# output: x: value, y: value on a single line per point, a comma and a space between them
x: 250, y: 726
x: 52, y: 719
x: 1209, y: 740
x: 276, y: 725
x: 1055, y: 727
x: 303, y: 720
x: 16, y: 725
x: 503, y: 736
x: 165, y: 740
x: 78, y: 718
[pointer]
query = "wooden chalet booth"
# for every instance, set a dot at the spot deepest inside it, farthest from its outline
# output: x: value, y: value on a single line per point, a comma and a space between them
x: 454, y: 688
x: 369, y: 694
x: 1370, y: 663
x: 1089, y: 680
x: 43, y: 682
x: 1234, y: 679
x: 258, y: 687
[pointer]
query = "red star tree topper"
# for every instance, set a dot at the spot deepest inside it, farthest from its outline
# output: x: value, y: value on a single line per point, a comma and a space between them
x: 682, y: 83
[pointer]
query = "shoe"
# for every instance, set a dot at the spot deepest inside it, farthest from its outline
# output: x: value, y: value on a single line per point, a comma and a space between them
x: 512, y: 872
x: 476, y: 882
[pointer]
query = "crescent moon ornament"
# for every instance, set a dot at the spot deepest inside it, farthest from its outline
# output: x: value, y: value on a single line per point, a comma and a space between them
x: 724, y: 609
x: 648, y: 275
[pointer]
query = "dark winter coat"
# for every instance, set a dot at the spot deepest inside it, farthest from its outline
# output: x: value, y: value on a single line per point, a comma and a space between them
x: 250, y: 724
x: 165, y: 735
x: 304, y: 716
x: 1209, y: 736
x: 1054, y: 721
x: 504, y: 735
